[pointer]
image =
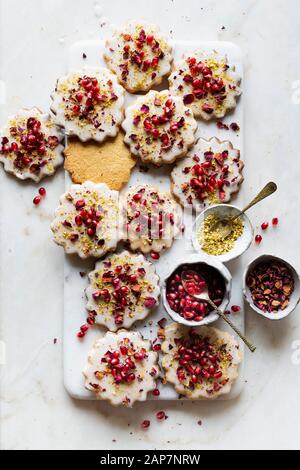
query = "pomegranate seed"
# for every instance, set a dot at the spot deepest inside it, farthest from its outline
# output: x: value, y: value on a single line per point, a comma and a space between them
x: 123, y: 350
x: 264, y: 225
x: 156, y: 392
x: 80, y: 334
x: 79, y: 96
x: 91, y: 231
x: 78, y: 220
x: 150, y: 302
x: 275, y: 221
x: 80, y: 204
x: 154, y: 255
x: 137, y: 197
x: 14, y: 147
x: 145, y: 424
x: 160, y: 415
x: 36, y: 200
x: 76, y: 109
x: 258, y: 239
x: 42, y: 192
x: 188, y: 99
x: 84, y: 328
x: 150, y: 38
x: 156, y: 347
x: 235, y: 308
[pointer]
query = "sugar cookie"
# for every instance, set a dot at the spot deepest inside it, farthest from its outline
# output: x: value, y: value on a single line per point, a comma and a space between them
x: 88, y: 103
x: 31, y: 145
x: 139, y: 55
x: 121, y: 368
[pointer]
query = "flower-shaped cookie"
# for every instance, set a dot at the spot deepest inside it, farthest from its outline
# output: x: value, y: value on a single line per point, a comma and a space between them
x: 210, y: 174
x: 200, y: 362
x: 86, y: 222
x: 206, y: 83
x: 30, y: 145
x: 159, y: 128
x: 88, y: 103
x: 121, y: 368
x: 139, y: 55
x: 123, y: 288
x: 150, y: 219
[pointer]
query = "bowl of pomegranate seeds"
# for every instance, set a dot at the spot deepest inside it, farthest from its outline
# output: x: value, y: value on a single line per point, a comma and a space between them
x: 181, y: 305
x: 271, y: 286
x: 208, y: 238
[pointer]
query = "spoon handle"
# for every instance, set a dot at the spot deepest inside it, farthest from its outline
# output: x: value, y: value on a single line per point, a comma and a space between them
x: 269, y: 189
x: 238, y: 332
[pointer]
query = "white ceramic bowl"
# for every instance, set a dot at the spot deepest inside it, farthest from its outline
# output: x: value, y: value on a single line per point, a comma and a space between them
x: 190, y: 260
x: 294, y: 299
x: 223, y: 211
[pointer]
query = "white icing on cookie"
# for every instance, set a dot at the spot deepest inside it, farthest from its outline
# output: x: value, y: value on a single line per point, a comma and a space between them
x: 150, y: 219
x: 206, y: 83
x: 209, y: 174
x: 30, y: 145
x: 86, y: 222
x: 121, y: 368
x: 139, y: 55
x: 89, y: 104
x: 122, y: 289
x: 207, y: 372
x: 159, y: 128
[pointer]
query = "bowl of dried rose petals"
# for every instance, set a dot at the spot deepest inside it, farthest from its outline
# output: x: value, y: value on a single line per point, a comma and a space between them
x: 271, y: 286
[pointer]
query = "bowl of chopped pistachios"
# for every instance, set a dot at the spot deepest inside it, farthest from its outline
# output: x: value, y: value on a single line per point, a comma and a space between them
x: 219, y: 233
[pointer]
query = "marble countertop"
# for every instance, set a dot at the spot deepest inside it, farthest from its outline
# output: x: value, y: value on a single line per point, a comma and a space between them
x: 36, y: 411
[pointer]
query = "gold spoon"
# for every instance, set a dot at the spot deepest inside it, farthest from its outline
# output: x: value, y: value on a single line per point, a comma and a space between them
x: 224, y: 227
x: 188, y: 276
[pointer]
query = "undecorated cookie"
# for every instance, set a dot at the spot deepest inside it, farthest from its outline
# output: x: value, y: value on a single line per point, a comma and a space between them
x: 200, y: 362
x: 139, y: 55
x: 210, y: 174
x: 122, y: 289
x: 89, y: 104
x: 206, y: 83
x: 121, y: 368
x: 159, y: 128
x: 86, y: 221
x: 108, y: 162
x: 31, y: 145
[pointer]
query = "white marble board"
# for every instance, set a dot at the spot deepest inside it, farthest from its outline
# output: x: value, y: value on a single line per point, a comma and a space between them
x: 75, y: 351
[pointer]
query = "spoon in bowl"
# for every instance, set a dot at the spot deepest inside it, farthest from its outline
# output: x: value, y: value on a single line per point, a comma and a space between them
x: 197, y: 287
x: 225, y: 226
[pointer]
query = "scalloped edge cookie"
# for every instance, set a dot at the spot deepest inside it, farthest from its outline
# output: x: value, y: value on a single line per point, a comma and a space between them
x: 143, y: 297
x: 159, y: 128
x: 195, y: 94
x: 182, y: 174
x: 130, y: 209
x: 137, y: 63
x: 53, y: 156
x: 102, y: 383
x: 73, y: 235
x: 108, y: 102
x: 205, y: 390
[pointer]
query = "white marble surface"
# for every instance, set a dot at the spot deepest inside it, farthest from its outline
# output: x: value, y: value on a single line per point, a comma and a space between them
x: 36, y: 412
